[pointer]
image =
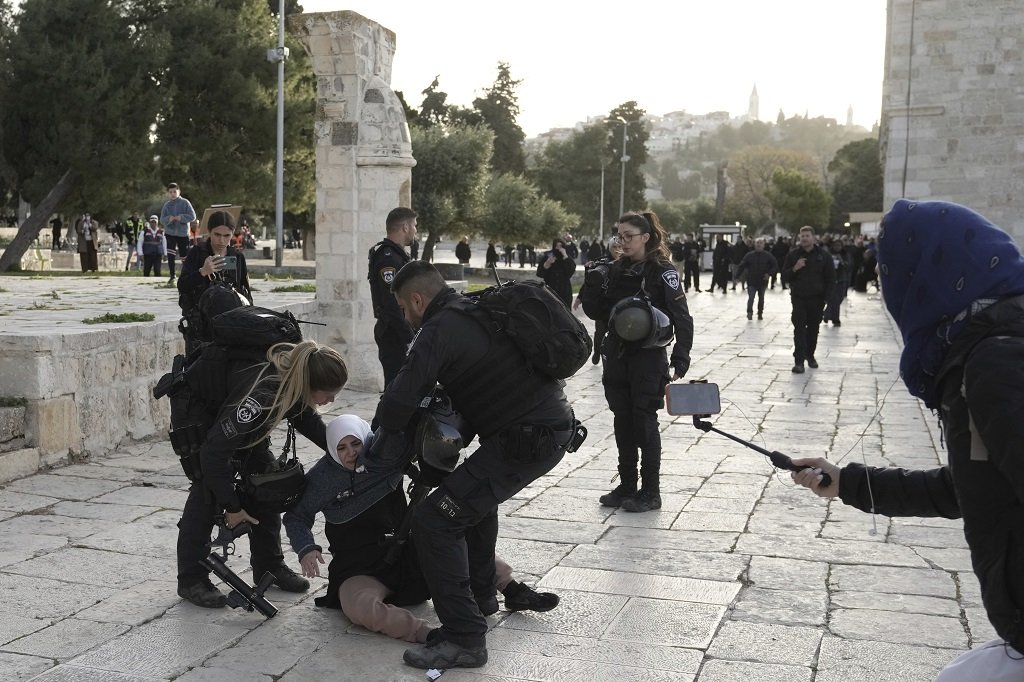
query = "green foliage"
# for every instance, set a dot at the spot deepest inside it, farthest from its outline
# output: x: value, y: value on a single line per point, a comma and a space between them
x: 750, y: 173
x: 636, y: 150
x: 111, y: 318
x: 6, y: 401
x: 217, y: 132
x: 857, y: 180
x: 518, y: 212
x: 86, y: 77
x: 683, y: 217
x: 671, y: 185
x: 450, y: 176
x: 797, y: 199
x: 499, y: 109
x: 298, y: 288
x: 570, y: 172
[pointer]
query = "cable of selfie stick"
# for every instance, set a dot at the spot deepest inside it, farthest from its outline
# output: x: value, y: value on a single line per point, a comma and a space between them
x: 754, y: 426
x: 863, y: 456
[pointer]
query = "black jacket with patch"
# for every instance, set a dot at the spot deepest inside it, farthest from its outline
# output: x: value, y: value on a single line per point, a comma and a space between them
x: 386, y: 258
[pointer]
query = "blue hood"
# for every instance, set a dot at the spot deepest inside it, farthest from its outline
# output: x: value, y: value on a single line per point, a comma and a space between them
x: 935, y: 260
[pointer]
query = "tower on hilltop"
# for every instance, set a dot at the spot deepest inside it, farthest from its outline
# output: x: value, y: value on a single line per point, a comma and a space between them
x: 753, y: 105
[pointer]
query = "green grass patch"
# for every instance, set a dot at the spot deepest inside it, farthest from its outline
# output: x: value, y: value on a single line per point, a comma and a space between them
x: 298, y: 288
x: 47, y: 274
x: 269, y: 277
x: 113, y: 318
x: 6, y: 401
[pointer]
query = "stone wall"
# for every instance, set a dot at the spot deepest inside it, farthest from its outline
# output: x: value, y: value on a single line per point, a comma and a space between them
x: 363, y: 170
x: 89, y: 390
x: 953, y: 107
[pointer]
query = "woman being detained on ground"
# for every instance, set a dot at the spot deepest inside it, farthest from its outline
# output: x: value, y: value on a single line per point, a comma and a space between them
x: 369, y: 590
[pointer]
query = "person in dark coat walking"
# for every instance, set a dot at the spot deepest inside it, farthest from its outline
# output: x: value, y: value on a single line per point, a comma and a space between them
x: 721, y: 264
x: 811, y: 277
x: 462, y: 251
x: 841, y: 260
x: 556, y: 268
x: 756, y: 268
x: 491, y: 256
x: 954, y: 284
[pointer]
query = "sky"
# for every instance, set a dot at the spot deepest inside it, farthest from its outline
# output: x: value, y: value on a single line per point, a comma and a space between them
x: 582, y: 58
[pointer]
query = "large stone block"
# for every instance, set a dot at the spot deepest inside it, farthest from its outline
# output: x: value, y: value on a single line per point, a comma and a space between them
x: 52, y: 425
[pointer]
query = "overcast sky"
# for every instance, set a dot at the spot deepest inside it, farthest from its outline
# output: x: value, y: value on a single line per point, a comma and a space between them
x: 582, y: 58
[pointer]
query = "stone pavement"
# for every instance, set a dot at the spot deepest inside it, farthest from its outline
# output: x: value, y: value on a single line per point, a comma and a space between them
x: 740, y: 576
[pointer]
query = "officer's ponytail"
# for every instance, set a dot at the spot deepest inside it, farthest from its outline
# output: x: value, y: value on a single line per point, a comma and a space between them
x: 301, y: 368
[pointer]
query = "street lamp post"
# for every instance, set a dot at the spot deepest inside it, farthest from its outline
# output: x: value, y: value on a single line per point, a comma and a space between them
x: 625, y: 159
x: 278, y: 55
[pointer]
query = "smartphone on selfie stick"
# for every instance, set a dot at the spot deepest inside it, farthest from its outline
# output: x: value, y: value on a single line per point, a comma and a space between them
x: 700, y: 399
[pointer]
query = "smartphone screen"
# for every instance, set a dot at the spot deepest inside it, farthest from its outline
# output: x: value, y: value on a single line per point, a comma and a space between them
x: 690, y: 399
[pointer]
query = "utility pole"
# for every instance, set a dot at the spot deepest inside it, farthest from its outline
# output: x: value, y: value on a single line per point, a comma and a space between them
x: 278, y: 55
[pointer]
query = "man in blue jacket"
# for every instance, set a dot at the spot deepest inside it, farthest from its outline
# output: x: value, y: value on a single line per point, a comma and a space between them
x: 175, y: 216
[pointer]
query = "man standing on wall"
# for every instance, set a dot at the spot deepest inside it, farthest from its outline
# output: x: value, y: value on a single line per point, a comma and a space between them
x: 391, y: 332
x: 175, y: 216
x: 811, y: 277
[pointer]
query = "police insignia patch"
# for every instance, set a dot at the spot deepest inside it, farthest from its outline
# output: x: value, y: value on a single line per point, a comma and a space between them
x: 248, y: 410
x: 387, y: 274
x: 229, y: 429
x: 671, y: 278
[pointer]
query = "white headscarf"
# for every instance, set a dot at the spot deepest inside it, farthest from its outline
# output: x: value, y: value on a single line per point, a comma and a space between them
x: 342, y: 426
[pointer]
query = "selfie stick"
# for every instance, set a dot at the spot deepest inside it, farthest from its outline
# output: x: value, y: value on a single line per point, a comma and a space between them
x: 778, y: 459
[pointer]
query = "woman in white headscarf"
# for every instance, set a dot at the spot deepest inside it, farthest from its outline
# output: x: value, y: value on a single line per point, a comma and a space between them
x: 361, y: 582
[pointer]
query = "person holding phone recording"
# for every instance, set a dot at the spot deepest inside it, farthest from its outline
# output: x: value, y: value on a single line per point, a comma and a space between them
x: 211, y: 261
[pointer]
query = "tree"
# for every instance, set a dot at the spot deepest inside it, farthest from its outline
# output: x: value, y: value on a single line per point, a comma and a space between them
x: 636, y: 150
x: 499, y: 109
x: 857, y: 180
x: 435, y: 109
x: 671, y: 185
x: 216, y: 134
x: 449, y: 178
x: 83, y: 95
x: 516, y: 211
x: 798, y: 199
x: 750, y: 174
x: 569, y: 172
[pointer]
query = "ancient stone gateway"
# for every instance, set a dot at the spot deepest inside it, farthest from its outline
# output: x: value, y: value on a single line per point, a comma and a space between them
x: 363, y: 170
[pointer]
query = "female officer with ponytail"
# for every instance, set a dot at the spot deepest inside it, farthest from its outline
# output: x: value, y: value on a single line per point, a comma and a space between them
x: 244, y: 404
x: 642, y: 286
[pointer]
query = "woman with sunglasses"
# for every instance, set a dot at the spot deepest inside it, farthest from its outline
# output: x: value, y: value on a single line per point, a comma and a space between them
x: 636, y: 373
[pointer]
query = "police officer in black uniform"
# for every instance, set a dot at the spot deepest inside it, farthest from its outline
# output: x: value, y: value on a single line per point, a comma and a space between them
x: 236, y: 405
x: 811, y: 276
x: 524, y: 423
x: 636, y: 370
x: 391, y: 331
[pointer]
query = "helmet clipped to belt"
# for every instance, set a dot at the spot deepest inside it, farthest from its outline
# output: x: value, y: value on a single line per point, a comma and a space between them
x: 439, y: 433
x: 637, y: 322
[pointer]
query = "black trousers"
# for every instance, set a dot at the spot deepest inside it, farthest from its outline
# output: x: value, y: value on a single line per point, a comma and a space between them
x: 807, y: 313
x: 456, y: 527
x: 196, y: 527
x: 634, y: 386
x: 691, y: 272
x: 177, y: 247
x: 391, y: 349
x: 753, y: 288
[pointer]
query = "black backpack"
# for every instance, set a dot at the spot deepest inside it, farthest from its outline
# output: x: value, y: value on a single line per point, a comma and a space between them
x: 254, y: 326
x: 540, y: 325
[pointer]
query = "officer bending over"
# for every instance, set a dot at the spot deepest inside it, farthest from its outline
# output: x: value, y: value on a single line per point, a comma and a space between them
x: 524, y: 423
x: 243, y: 404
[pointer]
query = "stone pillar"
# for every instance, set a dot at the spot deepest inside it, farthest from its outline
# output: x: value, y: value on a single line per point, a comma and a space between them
x: 952, y: 113
x: 363, y: 170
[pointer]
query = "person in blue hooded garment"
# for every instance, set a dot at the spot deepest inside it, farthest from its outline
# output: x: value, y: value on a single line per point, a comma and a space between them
x: 954, y: 284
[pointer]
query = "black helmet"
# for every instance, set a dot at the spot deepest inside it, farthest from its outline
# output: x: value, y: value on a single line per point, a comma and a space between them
x: 439, y: 434
x: 636, y: 321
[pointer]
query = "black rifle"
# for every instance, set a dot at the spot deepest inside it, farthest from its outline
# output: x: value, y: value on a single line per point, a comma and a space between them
x: 242, y: 595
